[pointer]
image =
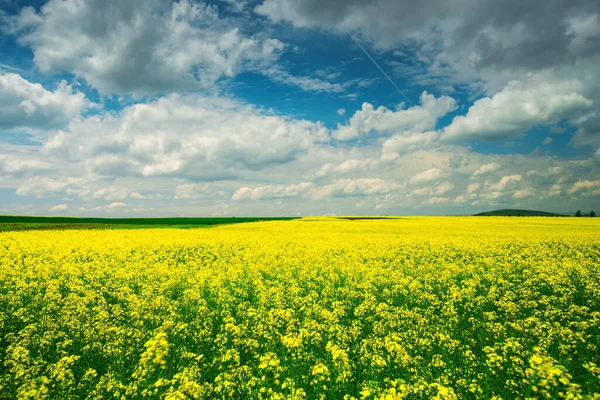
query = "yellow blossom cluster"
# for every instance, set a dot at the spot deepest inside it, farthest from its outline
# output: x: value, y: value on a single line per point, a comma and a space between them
x: 316, y: 308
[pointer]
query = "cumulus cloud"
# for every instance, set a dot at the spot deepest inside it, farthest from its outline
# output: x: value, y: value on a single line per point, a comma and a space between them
x: 473, y: 187
x: 15, y: 166
x: 486, y: 168
x: 438, y: 200
x: 462, y: 41
x: 59, y: 207
x: 42, y: 186
x: 338, y: 188
x: 355, y: 187
x: 443, y: 188
x: 382, y: 121
x: 522, y: 193
x: 191, y: 136
x: 583, y: 186
x: 407, y: 143
x: 272, y: 191
x: 140, y: 46
x: 506, y: 182
x: 106, y: 208
x: 190, y: 191
x: 517, y: 108
x: 29, y: 105
x: 426, y: 176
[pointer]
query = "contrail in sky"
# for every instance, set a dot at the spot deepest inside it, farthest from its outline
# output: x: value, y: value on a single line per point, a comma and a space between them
x: 382, y: 71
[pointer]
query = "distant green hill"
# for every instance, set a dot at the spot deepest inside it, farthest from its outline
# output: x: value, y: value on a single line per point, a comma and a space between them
x: 516, y: 213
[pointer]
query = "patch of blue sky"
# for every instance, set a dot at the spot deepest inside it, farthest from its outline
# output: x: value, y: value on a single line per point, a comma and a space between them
x: 18, y: 137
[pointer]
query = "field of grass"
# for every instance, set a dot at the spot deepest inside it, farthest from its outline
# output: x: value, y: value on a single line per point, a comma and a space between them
x: 446, y: 307
x: 19, y: 223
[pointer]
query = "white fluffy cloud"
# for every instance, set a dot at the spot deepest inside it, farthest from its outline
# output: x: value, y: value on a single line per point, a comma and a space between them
x: 486, y: 168
x: 273, y: 191
x: 505, y: 182
x: 523, y: 193
x: 382, y: 121
x: 59, y: 207
x: 426, y: 176
x: 443, y: 188
x: 583, y: 186
x: 11, y: 165
x: 140, y: 46
x: 473, y: 187
x: 42, y: 186
x: 407, y: 143
x: 356, y: 187
x: 194, y: 137
x: 517, y: 108
x: 29, y: 105
x: 339, y: 188
x: 114, y: 206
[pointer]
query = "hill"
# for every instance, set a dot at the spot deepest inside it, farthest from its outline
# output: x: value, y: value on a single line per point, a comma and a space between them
x: 516, y: 213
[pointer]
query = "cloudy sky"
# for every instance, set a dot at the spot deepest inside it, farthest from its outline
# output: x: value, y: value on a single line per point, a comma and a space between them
x: 298, y: 107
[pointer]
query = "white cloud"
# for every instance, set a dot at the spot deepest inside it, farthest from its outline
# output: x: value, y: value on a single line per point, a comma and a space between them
x: 140, y: 46
x: 505, y: 182
x: 191, y: 136
x: 111, y: 193
x: 382, y: 121
x: 461, y: 199
x: 517, y: 108
x: 486, y: 168
x: 547, y: 140
x: 409, y: 142
x: 426, y: 176
x: 191, y: 191
x: 354, y: 165
x: 272, y: 191
x: 584, y: 186
x: 29, y: 105
x: 60, y: 207
x: 555, y: 190
x: 106, y: 208
x: 438, y: 200
x: 355, y: 187
x: 43, y: 186
x: 473, y: 187
x: 306, y: 83
x: 341, y: 111
x: 522, y: 193
x: 19, y: 166
x: 443, y: 188
x: 424, y: 191
x: 339, y: 188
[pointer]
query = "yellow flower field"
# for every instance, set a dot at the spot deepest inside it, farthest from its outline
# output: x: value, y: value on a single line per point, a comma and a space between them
x: 446, y: 307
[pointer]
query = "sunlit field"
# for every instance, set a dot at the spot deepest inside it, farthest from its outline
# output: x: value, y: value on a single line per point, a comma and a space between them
x: 447, y: 307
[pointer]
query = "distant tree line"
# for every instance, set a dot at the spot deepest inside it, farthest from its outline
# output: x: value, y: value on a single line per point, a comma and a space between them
x: 580, y: 214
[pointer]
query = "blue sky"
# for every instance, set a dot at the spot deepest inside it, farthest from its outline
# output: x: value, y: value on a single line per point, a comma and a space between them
x: 271, y: 107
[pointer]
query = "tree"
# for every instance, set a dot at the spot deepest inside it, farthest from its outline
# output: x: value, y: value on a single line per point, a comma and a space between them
x: 592, y: 214
x: 578, y: 213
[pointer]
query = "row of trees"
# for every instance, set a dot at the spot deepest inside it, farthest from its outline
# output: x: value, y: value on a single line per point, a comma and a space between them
x: 579, y: 214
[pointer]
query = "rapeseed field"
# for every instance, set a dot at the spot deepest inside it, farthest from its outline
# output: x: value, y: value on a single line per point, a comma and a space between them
x: 447, y: 307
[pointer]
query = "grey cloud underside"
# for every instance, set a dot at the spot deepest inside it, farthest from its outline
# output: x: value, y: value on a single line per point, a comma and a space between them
x: 544, y: 34
x: 140, y: 47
